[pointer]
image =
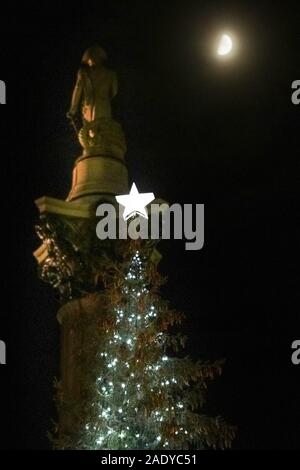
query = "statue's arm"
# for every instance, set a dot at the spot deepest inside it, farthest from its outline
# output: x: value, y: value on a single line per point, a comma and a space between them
x: 114, y: 85
x: 77, y: 95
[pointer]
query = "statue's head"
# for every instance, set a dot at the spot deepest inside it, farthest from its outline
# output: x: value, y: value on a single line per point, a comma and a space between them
x: 94, y: 55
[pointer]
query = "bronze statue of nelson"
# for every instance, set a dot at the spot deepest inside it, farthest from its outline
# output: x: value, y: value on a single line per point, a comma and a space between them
x: 95, y: 87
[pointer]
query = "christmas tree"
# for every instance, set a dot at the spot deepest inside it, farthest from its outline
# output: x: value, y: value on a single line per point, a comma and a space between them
x: 134, y: 392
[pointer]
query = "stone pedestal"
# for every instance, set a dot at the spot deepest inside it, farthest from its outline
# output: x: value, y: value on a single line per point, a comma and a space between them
x: 98, y: 175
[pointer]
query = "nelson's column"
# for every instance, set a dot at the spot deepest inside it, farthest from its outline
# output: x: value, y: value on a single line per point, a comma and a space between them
x: 70, y: 256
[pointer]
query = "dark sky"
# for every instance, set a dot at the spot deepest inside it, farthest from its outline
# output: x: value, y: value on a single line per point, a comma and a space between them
x: 198, y: 131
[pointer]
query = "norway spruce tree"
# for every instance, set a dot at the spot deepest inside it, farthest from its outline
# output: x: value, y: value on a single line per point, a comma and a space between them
x: 135, y: 393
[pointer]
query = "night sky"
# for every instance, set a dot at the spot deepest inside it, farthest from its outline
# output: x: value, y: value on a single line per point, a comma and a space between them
x: 199, y: 131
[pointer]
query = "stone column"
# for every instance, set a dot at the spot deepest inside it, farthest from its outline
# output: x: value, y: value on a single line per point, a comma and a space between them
x: 69, y: 243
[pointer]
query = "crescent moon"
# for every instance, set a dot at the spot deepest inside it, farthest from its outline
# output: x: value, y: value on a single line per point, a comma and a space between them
x: 225, y: 45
